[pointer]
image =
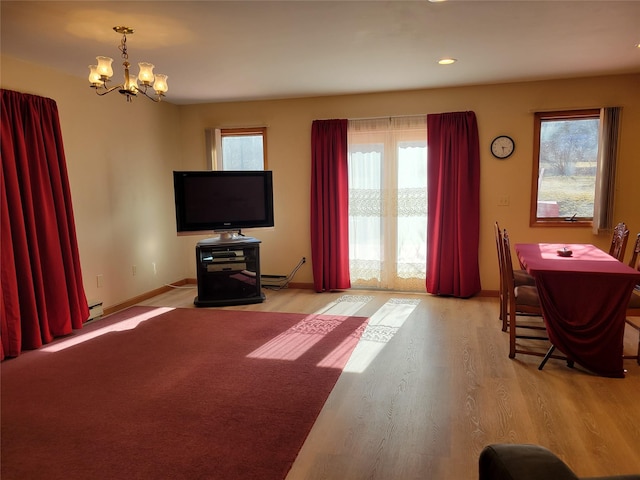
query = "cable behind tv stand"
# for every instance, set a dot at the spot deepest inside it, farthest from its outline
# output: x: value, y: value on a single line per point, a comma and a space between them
x: 228, y: 271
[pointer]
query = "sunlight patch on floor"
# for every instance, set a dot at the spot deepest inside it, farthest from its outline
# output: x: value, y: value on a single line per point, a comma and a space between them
x: 339, y: 356
x: 345, y: 305
x: 126, y: 324
x: 382, y: 327
x: 300, y: 338
x: 297, y: 340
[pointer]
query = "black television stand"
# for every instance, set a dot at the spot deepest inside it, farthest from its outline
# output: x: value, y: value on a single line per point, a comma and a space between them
x: 228, y: 270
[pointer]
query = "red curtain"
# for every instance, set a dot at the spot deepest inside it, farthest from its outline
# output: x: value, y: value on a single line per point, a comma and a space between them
x: 329, y: 205
x: 453, y: 219
x: 41, y: 289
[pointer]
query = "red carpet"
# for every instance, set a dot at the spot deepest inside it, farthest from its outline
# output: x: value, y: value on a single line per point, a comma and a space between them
x: 188, y: 394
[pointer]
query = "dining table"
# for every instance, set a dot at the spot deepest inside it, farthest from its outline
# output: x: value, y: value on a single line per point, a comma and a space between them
x: 584, y: 293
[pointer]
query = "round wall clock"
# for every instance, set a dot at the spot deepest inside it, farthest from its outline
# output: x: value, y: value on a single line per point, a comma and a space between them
x: 502, y: 147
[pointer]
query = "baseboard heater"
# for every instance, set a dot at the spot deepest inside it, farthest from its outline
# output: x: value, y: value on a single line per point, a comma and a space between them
x: 272, y: 280
x: 276, y: 282
x: 95, y: 309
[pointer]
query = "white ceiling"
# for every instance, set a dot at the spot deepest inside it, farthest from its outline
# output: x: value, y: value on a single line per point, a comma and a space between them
x: 217, y: 51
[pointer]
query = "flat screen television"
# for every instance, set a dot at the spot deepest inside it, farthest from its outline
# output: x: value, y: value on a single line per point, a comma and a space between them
x: 223, y: 201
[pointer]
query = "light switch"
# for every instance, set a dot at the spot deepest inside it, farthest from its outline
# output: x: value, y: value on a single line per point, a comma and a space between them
x: 503, y: 201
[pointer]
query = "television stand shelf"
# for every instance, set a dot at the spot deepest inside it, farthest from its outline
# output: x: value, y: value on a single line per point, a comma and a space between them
x: 228, y: 272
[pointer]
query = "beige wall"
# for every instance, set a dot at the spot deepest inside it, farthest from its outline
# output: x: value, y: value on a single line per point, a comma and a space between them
x: 120, y: 158
x: 500, y: 109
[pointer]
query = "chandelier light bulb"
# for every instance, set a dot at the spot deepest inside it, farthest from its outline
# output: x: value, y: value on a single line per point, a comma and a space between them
x: 146, y: 73
x: 104, y: 66
x: 160, y: 85
x: 94, y: 76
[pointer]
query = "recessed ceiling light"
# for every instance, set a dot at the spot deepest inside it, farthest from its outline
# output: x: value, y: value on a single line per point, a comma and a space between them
x: 447, y: 61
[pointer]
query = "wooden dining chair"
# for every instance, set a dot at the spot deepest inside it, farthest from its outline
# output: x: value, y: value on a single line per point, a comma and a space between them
x: 523, y: 309
x: 520, y: 277
x: 635, y: 255
x: 633, y: 309
x: 619, y: 241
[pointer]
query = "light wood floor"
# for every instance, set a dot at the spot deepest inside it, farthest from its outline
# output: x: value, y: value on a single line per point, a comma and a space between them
x: 441, y: 387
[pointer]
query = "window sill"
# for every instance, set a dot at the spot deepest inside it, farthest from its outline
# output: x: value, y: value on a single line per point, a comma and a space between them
x: 561, y: 222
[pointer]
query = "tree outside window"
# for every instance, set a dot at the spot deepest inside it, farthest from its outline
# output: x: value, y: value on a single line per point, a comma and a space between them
x: 565, y: 166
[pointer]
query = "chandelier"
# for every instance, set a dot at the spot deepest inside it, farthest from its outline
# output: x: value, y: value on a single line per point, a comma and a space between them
x: 101, y: 73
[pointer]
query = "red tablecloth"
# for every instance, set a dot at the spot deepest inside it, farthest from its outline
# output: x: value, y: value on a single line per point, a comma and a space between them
x: 583, y: 300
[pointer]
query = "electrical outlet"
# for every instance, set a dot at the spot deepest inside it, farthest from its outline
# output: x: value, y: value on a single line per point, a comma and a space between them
x: 304, y: 260
x: 134, y: 270
x: 99, y: 281
x: 155, y: 270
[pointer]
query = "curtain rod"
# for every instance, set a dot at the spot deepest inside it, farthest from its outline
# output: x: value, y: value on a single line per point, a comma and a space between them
x: 393, y: 116
x: 562, y: 109
x: 223, y: 127
x: 380, y: 118
x: 390, y: 117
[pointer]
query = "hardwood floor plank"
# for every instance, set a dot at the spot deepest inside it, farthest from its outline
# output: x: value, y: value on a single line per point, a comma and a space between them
x: 430, y: 384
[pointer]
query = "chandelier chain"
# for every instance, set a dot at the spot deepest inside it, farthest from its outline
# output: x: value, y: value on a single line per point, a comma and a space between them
x: 123, y: 47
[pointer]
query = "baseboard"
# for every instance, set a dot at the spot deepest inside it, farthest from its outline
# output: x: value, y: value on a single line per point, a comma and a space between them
x: 192, y: 281
x: 481, y: 293
x: 305, y: 286
x: 146, y: 296
x: 487, y: 293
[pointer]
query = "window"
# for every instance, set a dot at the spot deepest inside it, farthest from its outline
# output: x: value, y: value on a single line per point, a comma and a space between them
x: 237, y: 148
x: 569, y: 159
x: 388, y: 203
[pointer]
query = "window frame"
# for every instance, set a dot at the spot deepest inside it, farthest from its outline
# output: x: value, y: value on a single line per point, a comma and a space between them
x: 215, y: 136
x: 540, y: 117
